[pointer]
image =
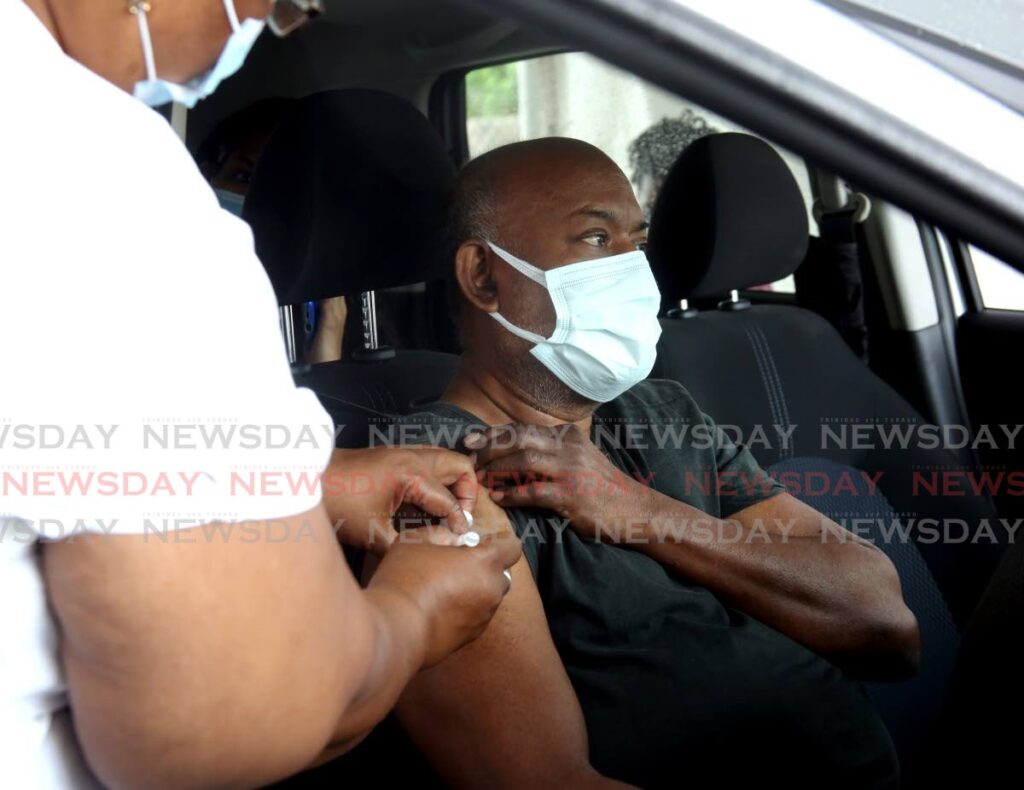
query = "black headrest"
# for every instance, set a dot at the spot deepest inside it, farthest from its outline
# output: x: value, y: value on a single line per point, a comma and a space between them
x: 349, y: 196
x: 729, y: 216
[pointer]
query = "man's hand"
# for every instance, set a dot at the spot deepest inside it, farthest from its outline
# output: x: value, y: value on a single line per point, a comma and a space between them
x: 364, y: 489
x: 778, y: 560
x: 557, y: 468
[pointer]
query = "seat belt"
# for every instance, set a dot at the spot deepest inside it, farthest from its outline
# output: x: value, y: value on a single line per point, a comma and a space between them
x: 829, y: 281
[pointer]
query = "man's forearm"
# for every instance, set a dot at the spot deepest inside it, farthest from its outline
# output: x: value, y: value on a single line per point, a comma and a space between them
x: 816, y: 583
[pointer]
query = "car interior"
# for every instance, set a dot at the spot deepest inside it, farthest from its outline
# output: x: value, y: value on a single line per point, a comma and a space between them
x: 874, y: 316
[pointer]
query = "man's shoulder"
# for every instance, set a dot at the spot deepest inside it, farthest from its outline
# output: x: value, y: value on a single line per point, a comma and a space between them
x: 440, y: 424
x: 654, y: 398
x: 437, y: 412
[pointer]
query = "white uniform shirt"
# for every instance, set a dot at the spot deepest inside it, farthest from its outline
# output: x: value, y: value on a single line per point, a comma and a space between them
x: 144, y: 387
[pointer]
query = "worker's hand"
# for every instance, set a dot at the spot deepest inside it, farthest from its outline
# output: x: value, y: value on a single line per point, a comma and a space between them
x: 365, y: 489
x: 557, y: 468
x: 457, y: 589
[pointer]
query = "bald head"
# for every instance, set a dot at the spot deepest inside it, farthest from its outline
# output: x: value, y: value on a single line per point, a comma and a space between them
x: 502, y: 195
x: 551, y: 202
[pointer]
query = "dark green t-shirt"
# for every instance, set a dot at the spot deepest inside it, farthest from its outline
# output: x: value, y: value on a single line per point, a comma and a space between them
x: 676, y: 687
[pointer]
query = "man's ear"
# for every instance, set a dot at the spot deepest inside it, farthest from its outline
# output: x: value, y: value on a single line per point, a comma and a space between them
x: 474, y: 276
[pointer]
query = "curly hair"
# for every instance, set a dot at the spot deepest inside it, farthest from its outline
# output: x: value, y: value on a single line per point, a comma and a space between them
x: 653, y: 153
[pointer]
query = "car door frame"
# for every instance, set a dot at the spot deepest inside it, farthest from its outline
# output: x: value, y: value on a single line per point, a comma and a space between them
x: 674, y: 47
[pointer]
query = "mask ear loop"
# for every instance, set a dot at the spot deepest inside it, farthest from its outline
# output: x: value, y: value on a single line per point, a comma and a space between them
x: 538, y: 276
x: 521, y: 266
x: 139, y: 8
x: 229, y: 6
x: 525, y: 334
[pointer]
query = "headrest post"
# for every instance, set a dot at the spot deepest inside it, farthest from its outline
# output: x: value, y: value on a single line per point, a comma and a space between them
x: 286, y: 315
x: 733, y: 303
x: 370, y: 338
x: 683, y: 311
x: 372, y: 350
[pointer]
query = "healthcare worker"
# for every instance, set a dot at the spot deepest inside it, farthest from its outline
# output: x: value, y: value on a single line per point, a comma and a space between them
x: 174, y: 608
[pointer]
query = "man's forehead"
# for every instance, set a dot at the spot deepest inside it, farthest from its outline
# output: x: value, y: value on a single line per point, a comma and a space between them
x: 569, y: 189
x: 613, y: 214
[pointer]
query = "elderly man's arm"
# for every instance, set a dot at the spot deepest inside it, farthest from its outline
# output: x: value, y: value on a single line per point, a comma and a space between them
x: 501, y: 712
x: 778, y: 560
x: 796, y: 570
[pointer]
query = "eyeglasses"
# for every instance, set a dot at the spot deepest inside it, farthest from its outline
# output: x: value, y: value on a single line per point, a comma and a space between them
x: 288, y: 16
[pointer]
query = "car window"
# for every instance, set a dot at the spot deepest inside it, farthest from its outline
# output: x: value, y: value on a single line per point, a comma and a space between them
x: 1001, y: 286
x: 641, y: 127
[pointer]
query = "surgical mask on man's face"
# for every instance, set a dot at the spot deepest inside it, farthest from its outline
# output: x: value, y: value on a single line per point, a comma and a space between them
x: 606, y: 322
x: 155, y: 92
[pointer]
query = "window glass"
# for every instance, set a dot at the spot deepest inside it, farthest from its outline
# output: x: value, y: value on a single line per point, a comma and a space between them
x: 1001, y: 286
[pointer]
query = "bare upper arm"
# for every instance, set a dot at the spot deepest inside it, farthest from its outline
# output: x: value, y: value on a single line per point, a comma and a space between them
x: 501, y: 711
x: 199, y: 660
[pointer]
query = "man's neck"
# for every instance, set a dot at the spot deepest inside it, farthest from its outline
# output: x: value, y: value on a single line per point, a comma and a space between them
x: 483, y: 395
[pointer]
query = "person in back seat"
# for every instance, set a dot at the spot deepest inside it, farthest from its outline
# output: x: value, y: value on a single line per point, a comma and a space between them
x: 655, y: 150
x: 709, y: 623
x: 228, y: 154
x: 227, y: 159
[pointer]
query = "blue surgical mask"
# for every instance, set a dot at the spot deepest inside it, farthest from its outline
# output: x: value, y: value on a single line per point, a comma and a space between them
x: 606, y: 322
x: 230, y: 201
x: 155, y: 92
